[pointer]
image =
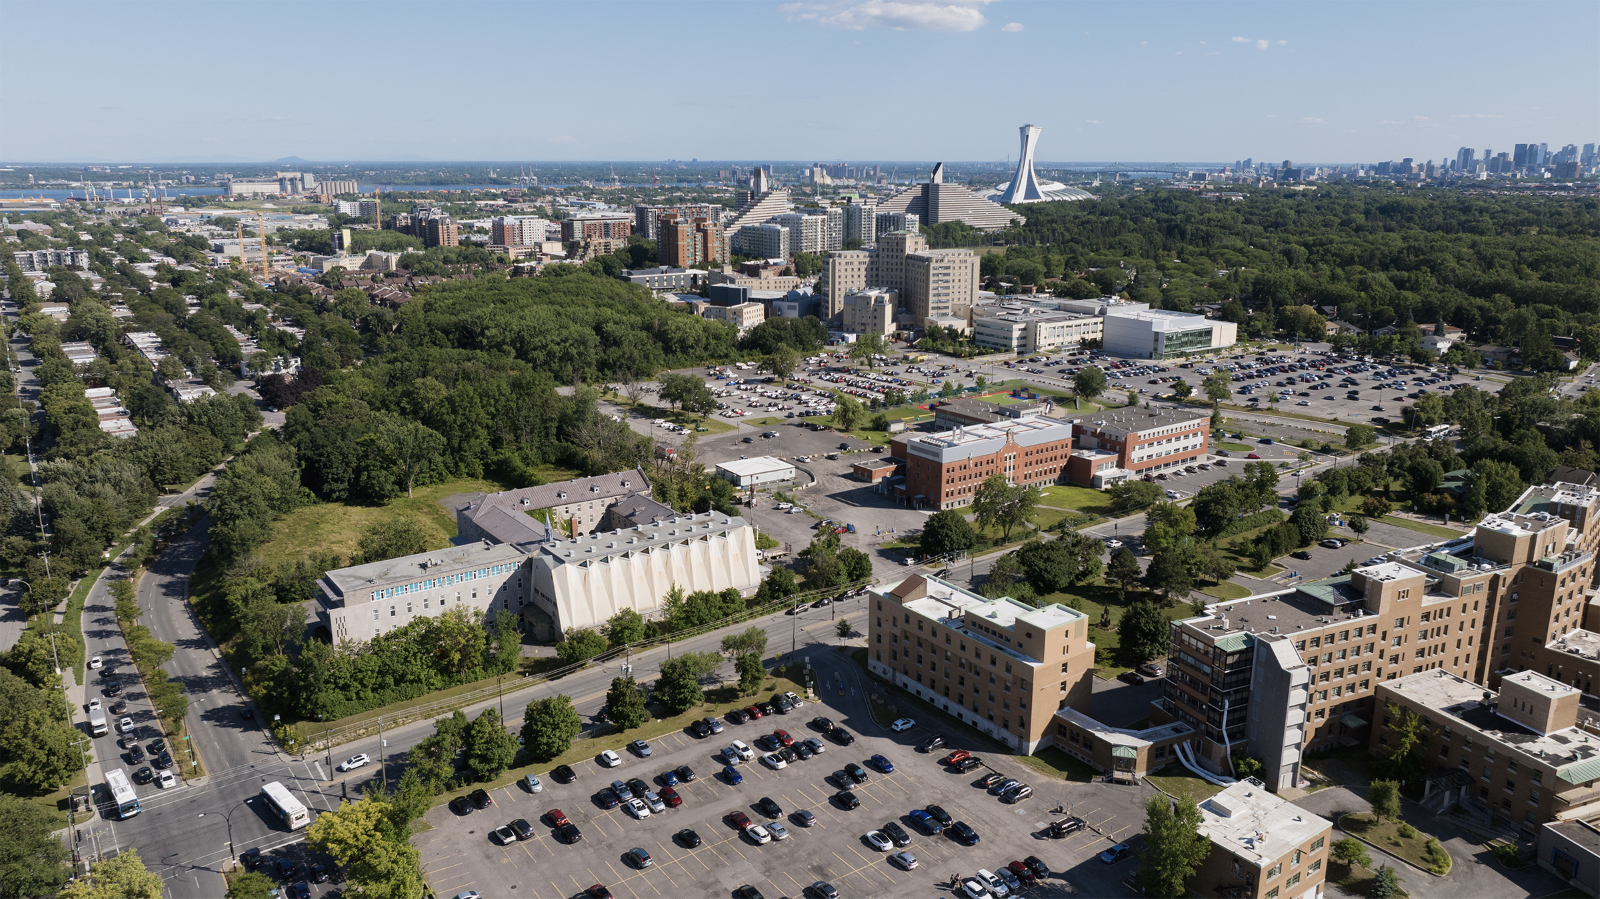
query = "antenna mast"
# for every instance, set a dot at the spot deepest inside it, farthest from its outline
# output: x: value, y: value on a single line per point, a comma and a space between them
x: 261, y: 224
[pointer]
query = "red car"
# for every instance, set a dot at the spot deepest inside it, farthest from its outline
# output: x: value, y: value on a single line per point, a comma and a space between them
x: 740, y: 820
x: 670, y: 797
x: 954, y: 757
x: 783, y: 737
x: 753, y: 711
x: 557, y: 817
x: 1024, y: 873
x: 1252, y: 456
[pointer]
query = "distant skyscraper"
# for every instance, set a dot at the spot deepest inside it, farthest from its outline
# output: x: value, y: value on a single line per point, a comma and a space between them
x: 1519, y: 157
x: 1464, y: 158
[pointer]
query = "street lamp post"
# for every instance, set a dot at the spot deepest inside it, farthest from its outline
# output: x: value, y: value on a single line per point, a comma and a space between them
x: 228, y: 817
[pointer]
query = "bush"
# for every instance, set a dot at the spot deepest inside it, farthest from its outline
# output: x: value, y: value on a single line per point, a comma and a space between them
x: 1407, y: 832
x: 1438, y: 859
x: 1250, y: 522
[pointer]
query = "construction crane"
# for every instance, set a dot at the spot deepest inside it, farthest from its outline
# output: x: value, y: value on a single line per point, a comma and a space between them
x: 261, y: 224
x: 239, y: 227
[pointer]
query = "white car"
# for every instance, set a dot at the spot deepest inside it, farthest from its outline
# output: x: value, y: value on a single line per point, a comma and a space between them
x: 165, y: 780
x: 975, y: 890
x: 94, y: 705
x: 358, y: 760
x: 879, y: 840
x: 610, y: 759
x: 742, y: 750
x: 94, y: 662
x: 797, y: 701
x: 995, y: 884
x: 774, y: 761
x: 759, y: 833
x: 1113, y: 543
x: 903, y: 724
x: 124, y: 725
x: 637, y: 808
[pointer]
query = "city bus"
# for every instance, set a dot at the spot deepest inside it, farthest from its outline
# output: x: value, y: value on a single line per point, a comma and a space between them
x: 1436, y: 431
x: 287, y: 807
x: 122, y: 795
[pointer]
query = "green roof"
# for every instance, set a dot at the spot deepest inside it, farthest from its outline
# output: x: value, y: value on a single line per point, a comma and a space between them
x: 1124, y: 752
x: 1234, y: 642
x: 1582, y: 772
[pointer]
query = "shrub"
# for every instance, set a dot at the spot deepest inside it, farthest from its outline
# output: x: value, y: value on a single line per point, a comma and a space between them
x: 1407, y: 832
x: 1438, y: 859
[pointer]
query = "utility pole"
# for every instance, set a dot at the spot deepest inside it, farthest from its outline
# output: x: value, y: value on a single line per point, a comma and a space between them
x: 382, y: 773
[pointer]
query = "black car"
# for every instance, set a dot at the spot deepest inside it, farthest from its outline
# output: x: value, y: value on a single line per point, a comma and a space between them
x: 688, y: 838
x: 162, y: 761
x: 856, y: 772
x: 788, y: 754
x: 251, y: 859
x: 320, y: 873
x: 286, y: 869
x: 847, y: 799
x: 939, y: 814
x: 1038, y: 867
x: 608, y: 798
x: 569, y: 833
x: 897, y: 833
x: 143, y: 776
x: 638, y: 788
x: 844, y: 446
x: 522, y: 829
x: 739, y: 716
x: 802, y: 750
x: 112, y: 689
x: 481, y: 799
x: 700, y: 729
x: 1301, y: 554
x: 930, y: 744
x: 461, y: 805
x: 1132, y: 677
x: 246, y: 713
x: 686, y: 774
x: 1066, y: 826
x: 119, y: 707
x: 964, y: 833
x: 768, y: 709
x: 564, y: 774
x: 767, y: 743
x: 767, y: 806
x: 135, y: 753
x: 968, y: 763
x: 822, y: 724
x: 748, y: 892
x: 844, y: 737
x: 158, y: 745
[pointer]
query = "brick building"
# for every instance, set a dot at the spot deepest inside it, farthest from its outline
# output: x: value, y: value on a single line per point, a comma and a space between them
x: 943, y: 469
x: 596, y: 226
x: 1262, y: 847
x: 683, y: 241
x: 1141, y: 440
x: 1003, y: 666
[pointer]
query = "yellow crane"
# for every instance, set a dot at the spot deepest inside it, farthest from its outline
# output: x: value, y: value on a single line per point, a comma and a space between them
x: 261, y: 224
x: 238, y: 226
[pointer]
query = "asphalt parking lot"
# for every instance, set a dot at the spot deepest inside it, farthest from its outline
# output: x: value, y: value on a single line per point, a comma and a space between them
x: 458, y: 853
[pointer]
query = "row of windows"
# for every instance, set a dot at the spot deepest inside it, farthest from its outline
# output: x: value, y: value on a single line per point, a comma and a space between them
x: 436, y: 583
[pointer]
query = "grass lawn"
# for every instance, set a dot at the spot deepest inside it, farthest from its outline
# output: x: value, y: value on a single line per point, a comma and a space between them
x: 1385, y: 835
x: 17, y: 468
x: 1422, y: 527
x: 1181, y: 782
x: 57, y: 802
x: 1225, y: 590
x: 337, y: 527
x: 1047, y: 519
x: 1053, y: 762
x: 1084, y: 499
x: 1235, y: 447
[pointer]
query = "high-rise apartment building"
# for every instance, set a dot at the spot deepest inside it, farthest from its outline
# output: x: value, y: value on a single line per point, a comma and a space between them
x: 1000, y: 665
x: 940, y: 284
x: 646, y: 218
x: 860, y: 224
x: 439, y: 231
x: 683, y: 242
x: 889, y: 222
x: 768, y: 240
x: 931, y: 283
x: 805, y: 231
x: 596, y: 226
x: 517, y: 230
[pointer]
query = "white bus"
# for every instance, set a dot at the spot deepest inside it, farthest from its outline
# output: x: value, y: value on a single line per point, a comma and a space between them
x: 287, y: 807
x: 1436, y: 431
x: 122, y: 795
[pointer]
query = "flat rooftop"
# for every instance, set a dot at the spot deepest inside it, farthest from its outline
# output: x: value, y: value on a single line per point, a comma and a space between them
x: 1581, y: 643
x: 1127, y: 420
x: 1289, y: 611
x: 754, y: 465
x: 948, y: 605
x: 1161, y: 319
x: 971, y: 434
x: 1121, y: 736
x: 638, y: 538
x: 351, y: 581
x: 1255, y: 825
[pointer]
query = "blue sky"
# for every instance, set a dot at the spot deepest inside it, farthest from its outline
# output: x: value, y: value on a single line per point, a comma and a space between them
x: 854, y: 80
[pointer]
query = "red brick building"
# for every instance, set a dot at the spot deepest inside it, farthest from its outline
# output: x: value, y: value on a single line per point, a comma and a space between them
x: 597, y: 226
x: 1139, y: 441
x: 945, y: 468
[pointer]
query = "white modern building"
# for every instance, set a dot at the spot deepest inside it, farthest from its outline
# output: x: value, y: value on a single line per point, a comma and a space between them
x: 1035, y: 331
x: 1159, y: 334
x: 1025, y: 186
x: 364, y: 601
x: 768, y: 240
x: 747, y: 474
x: 40, y: 260
x: 870, y: 311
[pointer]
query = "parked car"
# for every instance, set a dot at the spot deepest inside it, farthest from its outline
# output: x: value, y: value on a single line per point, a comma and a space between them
x: 358, y: 760
x: 903, y: 724
x: 930, y: 744
x: 1115, y: 853
x: 610, y: 759
x: 481, y: 799
x: 564, y: 774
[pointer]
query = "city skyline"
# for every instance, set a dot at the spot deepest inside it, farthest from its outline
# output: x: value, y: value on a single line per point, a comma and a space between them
x: 1330, y: 83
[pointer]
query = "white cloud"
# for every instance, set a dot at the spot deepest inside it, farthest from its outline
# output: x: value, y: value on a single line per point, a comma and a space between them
x: 1308, y: 120
x: 1241, y: 40
x: 1012, y: 27
x: 1202, y: 43
x: 1092, y: 121
x: 1178, y: 53
x: 1283, y: 43
x: 1144, y: 43
x: 1262, y: 45
x: 563, y: 139
x: 1215, y: 53
x: 895, y: 14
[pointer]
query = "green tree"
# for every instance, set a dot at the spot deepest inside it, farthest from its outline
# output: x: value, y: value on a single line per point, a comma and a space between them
x: 843, y: 628
x: 1375, y: 507
x: 1182, y: 389
x: 354, y: 835
x: 1384, y: 797
x: 1386, y: 885
x: 411, y: 800
x: 1124, y: 568
x: 1360, y: 524
x: 1055, y: 565
x: 48, y: 757
x: 782, y: 362
x: 1130, y: 496
x: 946, y: 531
x: 1502, y: 483
x: 625, y: 705
x: 679, y: 685
x: 998, y: 504
x: 549, y: 726
x: 490, y: 748
x: 581, y: 645
x: 122, y: 876
x: 1174, y: 846
x: 390, y: 538
x: 848, y: 413
x: 854, y: 564
x: 1170, y: 574
x: 751, y: 673
x: 1089, y: 382
x: 1350, y: 852
x: 409, y: 449
x: 1358, y: 436
x: 1144, y: 631
x: 1216, y: 387
x: 627, y: 626
x: 1405, y: 758
x: 252, y: 885
x: 32, y: 861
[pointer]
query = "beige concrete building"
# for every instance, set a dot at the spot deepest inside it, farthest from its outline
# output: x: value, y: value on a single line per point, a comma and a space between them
x: 870, y: 311
x: 742, y: 316
x: 930, y: 283
x: 1262, y: 847
x: 1000, y: 665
